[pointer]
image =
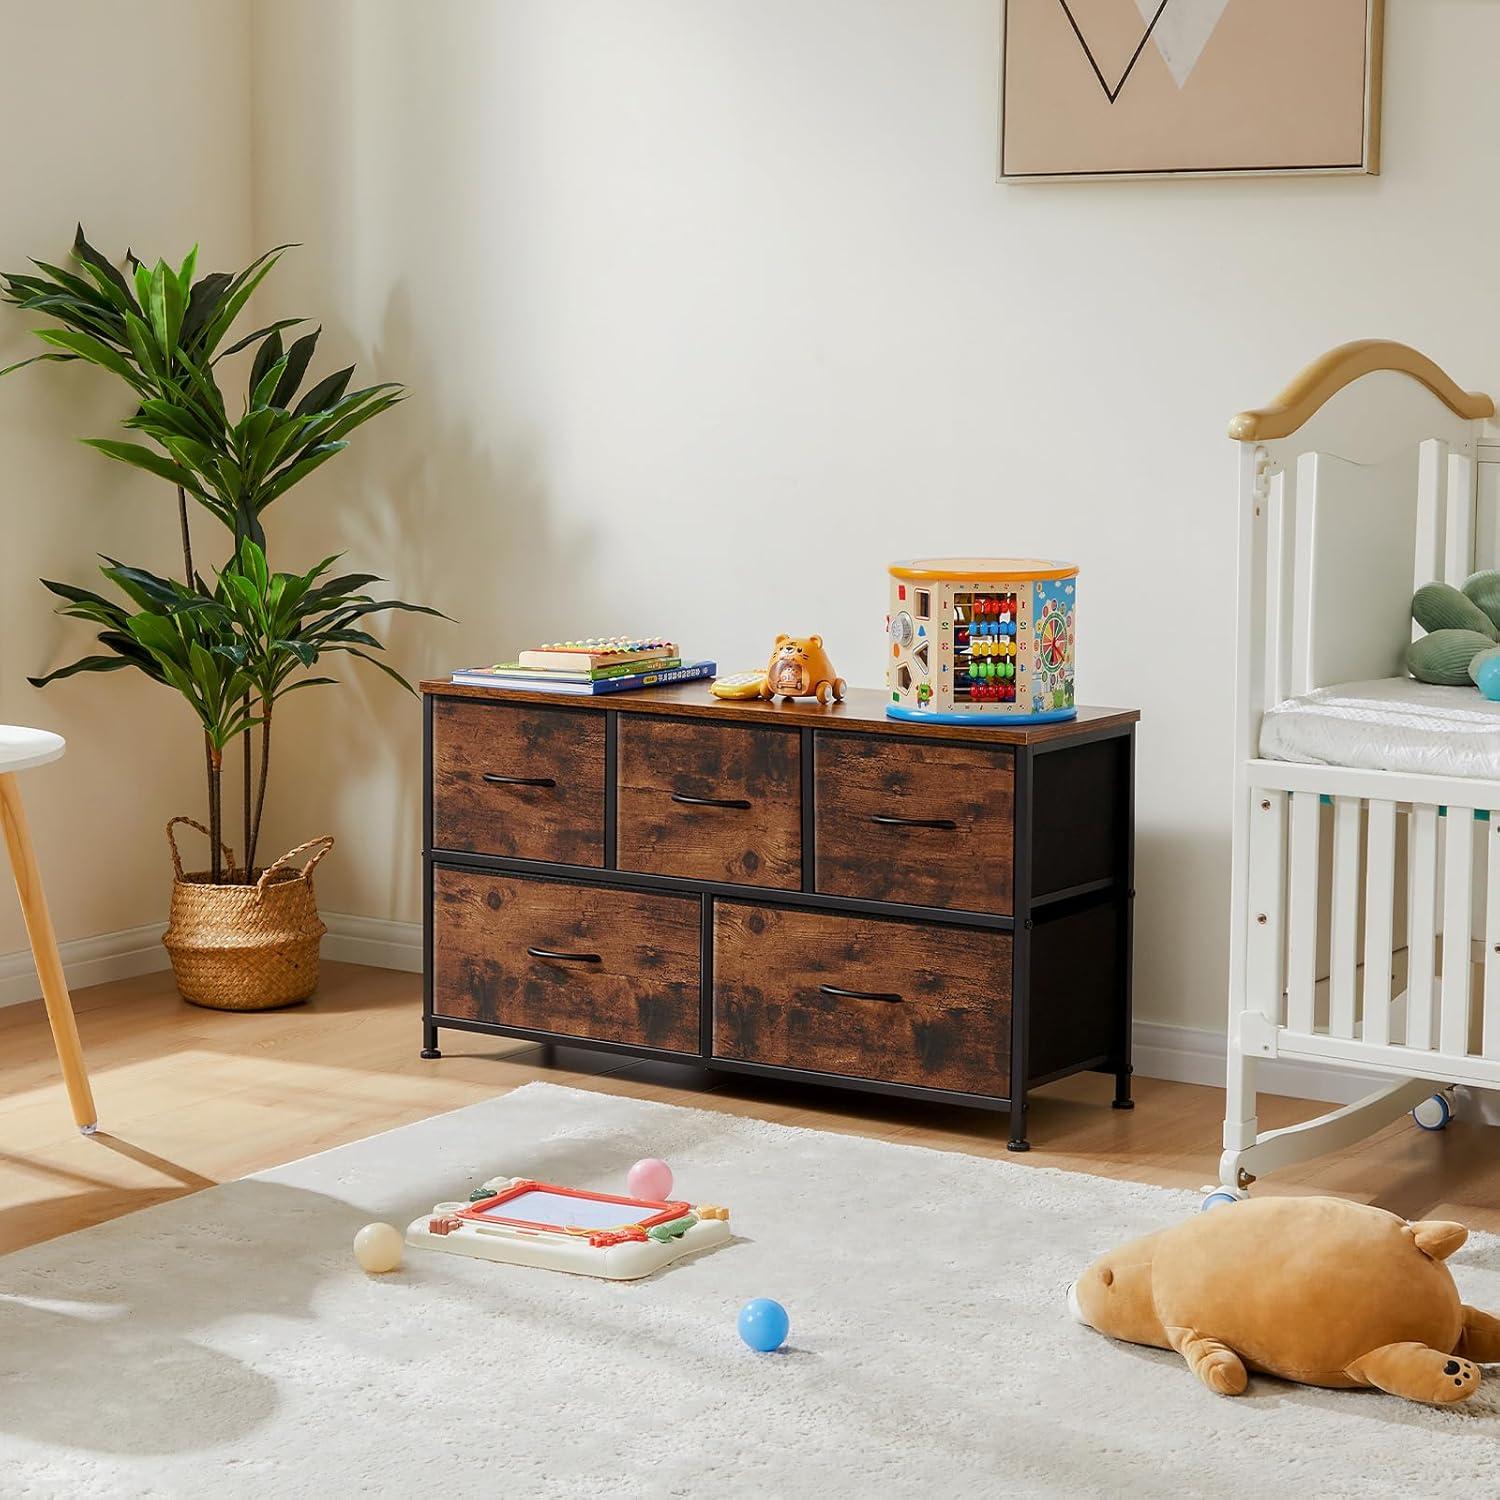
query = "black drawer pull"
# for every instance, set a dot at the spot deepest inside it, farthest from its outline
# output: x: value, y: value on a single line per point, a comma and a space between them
x: 842, y: 994
x: 565, y: 958
x: 891, y: 822
x: 687, y: 801
x: 496, y: 779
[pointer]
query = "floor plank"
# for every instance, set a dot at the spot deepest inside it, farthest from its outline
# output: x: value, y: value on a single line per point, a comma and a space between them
x: 191, y: 1097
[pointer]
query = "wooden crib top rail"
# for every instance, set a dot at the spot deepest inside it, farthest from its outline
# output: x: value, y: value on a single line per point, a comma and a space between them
x: 1326, y: 376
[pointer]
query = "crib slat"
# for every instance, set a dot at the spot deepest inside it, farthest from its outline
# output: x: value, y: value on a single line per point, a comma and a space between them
x: 1458, y: 553
x: 1263, y: 981
x: 1344, y: 922
x: 1432, y: 458
x: 1302, y: 910
x: 1302, y: 573
x: 1280, y: 536
x: 1380, y: 897
x: 1458, y: 891
x: 1492, y: 940
x: 1421, y: 925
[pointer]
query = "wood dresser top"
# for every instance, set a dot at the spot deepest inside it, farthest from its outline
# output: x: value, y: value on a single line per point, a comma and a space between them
x: 863, y: 709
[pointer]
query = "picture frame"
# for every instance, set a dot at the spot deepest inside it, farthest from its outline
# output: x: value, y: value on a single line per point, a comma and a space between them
x: 1105, y: 90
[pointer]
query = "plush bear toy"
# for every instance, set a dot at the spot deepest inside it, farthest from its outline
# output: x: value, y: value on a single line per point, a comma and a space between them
x: 1316, y: 1290
x: 1463, y: 628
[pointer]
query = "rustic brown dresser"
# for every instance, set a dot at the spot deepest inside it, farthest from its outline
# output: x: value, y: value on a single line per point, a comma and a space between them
x: 784, y: 889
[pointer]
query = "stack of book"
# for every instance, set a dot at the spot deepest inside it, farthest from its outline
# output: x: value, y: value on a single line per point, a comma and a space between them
x: 615, y: 664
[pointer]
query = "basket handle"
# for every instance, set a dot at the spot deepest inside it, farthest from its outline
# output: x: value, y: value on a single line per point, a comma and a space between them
x: 319, y: 847
x: 177, y: 858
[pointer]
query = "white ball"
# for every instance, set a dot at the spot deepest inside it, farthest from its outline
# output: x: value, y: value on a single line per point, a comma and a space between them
x: 378, y: 1247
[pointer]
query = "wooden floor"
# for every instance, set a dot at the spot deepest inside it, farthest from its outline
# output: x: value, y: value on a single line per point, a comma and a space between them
x: 190, y: 1097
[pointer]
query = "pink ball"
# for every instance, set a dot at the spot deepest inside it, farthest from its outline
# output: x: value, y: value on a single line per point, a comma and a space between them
x: 650, y: 1178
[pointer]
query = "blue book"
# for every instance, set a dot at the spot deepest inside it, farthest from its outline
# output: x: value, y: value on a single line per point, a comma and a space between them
x: 689, y: 671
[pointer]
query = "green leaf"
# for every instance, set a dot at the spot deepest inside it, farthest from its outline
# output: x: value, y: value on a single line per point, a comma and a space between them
x: 240, y: 291
x: 37, y: 359
x: 166, y: 306
x: 250, y: 338
x: 75, y: 284
x: 260, y: 395
x: 266, y: 356
x: 148, y: 459
x: 325, y: 393
x: 84, y: 664
x: 294, y: 473
x: 109, y: 279
x: 85, y: 346
x: 204, y: 301
x: 143, y: 346
x: 297, y: 360
x: 390, y: 672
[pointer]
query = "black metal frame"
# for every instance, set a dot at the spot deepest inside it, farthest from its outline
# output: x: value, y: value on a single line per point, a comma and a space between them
x: 1027, y: 910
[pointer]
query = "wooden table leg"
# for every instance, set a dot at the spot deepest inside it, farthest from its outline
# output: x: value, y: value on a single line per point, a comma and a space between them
x: 44, y: 950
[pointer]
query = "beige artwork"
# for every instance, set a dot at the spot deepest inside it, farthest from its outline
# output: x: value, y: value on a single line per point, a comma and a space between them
x: 1107, y: 88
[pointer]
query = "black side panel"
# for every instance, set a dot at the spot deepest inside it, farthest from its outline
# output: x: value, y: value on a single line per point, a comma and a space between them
x: 1078, y: 815
x: 1075, y: 988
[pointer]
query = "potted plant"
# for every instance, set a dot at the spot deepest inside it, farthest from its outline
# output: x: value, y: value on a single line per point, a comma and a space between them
x: 240, y: 937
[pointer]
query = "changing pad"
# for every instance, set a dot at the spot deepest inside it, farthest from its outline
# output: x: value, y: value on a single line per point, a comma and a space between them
x: 1391, y: 724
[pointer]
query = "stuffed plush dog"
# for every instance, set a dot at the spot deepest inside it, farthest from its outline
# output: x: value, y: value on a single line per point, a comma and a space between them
x: 1316, y: 1290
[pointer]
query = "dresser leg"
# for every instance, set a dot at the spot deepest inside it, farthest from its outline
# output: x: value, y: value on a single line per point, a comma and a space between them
x: 429, y: 1041
x: 1018, y: 1113
x: 1122, y: 1089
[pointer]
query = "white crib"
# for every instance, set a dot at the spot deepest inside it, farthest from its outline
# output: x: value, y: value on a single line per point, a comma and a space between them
x: 1365, y: 903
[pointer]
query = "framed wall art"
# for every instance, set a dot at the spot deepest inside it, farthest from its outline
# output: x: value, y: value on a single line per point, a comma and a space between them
x: 1168, y: 88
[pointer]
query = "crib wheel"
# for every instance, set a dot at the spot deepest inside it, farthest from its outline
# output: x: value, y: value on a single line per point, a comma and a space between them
x: 1221, y: 1196
x: 1433, y: 1113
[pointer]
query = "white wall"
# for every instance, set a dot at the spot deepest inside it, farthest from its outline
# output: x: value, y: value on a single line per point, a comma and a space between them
x: 134, y: 118
x: 712, y: 309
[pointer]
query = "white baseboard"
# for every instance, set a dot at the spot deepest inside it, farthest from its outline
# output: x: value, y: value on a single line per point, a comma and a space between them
x: 86, y: 961
x: 138, y: 950
x: 1183, y: 1054
x: 374, y: 941
x: 1191, y: 1054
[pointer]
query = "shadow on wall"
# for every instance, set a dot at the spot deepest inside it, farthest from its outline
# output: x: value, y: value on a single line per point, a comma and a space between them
x: 449, y: 517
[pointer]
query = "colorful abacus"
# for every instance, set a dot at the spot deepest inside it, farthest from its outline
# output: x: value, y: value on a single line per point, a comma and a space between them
x: 981, y: 637
x: 984, y: 625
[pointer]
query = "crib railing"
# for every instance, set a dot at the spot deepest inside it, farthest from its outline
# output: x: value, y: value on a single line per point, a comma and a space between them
x: 1386, y: 877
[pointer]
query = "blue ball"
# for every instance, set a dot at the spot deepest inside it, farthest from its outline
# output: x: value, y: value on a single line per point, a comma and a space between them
x: 764, y: 1324
x: 1488, y: 678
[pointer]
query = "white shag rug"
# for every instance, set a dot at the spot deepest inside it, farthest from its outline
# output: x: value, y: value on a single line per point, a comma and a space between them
x: 226, y: 1344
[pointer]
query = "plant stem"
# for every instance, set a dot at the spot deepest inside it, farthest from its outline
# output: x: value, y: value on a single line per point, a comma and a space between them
x: 215, y: 813
x: 253, y: 842
x: 247, y: 843
x: 187, y: 537
x: 208, y: 772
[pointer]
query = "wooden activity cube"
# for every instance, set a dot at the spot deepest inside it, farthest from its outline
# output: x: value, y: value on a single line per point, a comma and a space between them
x: 981, y: 637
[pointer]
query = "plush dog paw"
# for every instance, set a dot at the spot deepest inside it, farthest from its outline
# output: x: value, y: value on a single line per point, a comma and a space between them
x: 1418, y: 1373
x: 1459, y: 1381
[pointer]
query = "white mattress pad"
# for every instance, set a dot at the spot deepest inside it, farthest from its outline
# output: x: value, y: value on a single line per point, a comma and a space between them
x: 1391, y: 724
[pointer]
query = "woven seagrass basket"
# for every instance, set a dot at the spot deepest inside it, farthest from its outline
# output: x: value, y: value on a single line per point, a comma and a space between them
x: 246, y: 946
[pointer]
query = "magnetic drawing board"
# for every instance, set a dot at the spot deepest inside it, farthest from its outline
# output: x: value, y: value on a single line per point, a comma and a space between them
x: 522, y: 1222
x: 540, y: 1205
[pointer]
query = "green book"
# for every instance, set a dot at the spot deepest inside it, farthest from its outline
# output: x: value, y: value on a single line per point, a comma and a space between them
x: 475, y: 676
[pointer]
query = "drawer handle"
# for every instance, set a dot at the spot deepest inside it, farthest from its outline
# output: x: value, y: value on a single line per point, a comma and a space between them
x: 687, y: 801
x: 496, y: 779
x: 842, y: 994
x: 890, y: 822
x: 565, y: 958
